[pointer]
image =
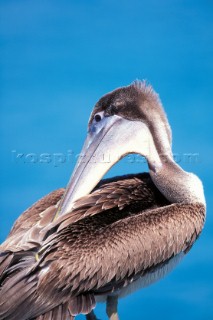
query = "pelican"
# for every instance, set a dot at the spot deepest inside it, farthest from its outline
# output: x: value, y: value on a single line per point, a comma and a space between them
x: 90, y: 242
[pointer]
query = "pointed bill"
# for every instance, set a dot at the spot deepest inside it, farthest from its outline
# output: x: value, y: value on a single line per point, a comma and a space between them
x: 105, y: 145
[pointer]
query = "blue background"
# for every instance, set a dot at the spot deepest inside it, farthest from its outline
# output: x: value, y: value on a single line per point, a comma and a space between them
x: 57, y: 59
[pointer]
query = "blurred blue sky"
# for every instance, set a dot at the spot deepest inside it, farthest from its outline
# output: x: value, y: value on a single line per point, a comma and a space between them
x: 57, y: 59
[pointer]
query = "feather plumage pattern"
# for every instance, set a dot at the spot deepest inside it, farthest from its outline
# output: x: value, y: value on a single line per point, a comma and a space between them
x: 98, y: 237
x: 107, y: 231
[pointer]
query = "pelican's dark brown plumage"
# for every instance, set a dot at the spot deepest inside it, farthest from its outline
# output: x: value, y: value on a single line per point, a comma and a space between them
x: 56, y: 266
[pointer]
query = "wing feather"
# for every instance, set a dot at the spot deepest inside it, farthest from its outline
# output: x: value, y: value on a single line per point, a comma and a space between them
x: 116, y: 234
x: 126, y: 247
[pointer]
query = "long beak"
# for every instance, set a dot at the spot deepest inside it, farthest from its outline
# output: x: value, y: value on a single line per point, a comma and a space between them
x: 100, y: 152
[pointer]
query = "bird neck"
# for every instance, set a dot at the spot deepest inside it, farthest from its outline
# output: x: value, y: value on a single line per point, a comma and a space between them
x: 177, y: 185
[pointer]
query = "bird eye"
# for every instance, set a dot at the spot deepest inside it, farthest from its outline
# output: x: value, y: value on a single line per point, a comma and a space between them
x: 97, y: 122
x: 97, y: 118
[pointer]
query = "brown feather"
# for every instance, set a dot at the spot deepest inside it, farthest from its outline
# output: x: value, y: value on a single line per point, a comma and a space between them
x: 88, y: 251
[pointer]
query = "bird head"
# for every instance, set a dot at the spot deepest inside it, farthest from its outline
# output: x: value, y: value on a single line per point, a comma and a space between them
x: 127, y: 120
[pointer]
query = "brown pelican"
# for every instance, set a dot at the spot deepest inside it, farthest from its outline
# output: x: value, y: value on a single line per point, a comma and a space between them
x: 73, y: 248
